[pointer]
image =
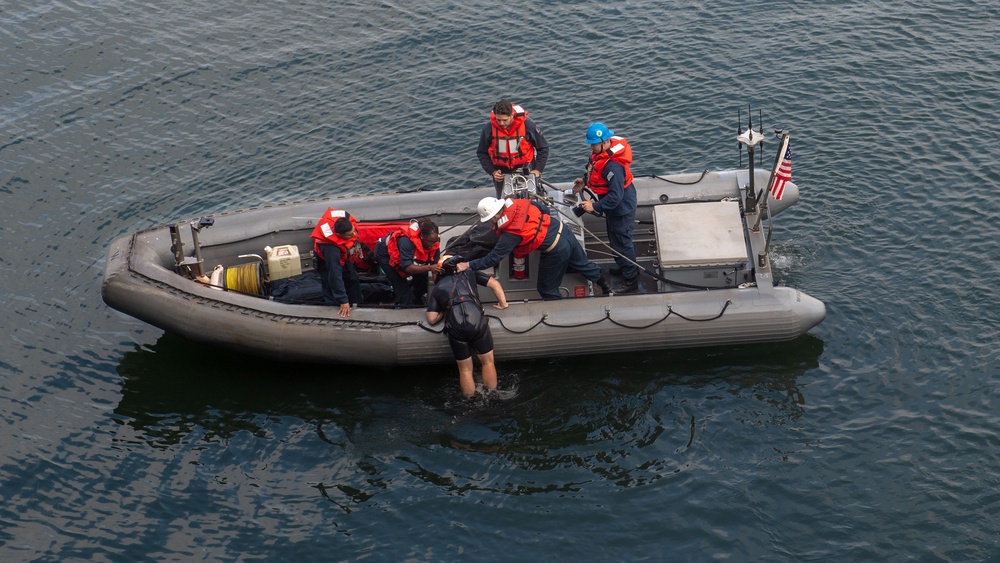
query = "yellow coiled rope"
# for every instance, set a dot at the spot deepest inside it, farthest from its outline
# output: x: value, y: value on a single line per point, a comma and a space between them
x: 245, y: 278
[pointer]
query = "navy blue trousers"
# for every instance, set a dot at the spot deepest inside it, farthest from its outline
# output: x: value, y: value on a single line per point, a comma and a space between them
x: 407, y: 294
x: 621, y: 228
x: 568, y: 254
x: 349, y: 288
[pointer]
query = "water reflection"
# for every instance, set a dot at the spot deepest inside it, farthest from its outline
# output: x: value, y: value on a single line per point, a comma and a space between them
x: 634, y: 419
x: 174, y: 384
x: 189, y: 380
x: 557, y: 424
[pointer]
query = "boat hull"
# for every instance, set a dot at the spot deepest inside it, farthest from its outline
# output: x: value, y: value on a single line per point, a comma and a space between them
x: 140, y: 281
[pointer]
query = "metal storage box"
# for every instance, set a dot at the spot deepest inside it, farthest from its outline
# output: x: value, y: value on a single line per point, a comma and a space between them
x: 701, y: 244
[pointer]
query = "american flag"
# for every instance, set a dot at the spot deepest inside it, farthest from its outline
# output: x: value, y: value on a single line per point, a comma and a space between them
x: 783, y: 175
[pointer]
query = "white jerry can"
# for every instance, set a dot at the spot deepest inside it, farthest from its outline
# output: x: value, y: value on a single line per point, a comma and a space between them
x: 283, y: 262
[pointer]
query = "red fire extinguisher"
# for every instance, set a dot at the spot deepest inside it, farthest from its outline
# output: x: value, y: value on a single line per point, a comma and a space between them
x: 518, y: 268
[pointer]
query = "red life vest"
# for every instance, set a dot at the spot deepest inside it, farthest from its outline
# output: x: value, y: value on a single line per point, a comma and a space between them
x: 619, y: 152
x: 421, y: 255
x: 510, y: 148
x: 525, y: 220
x: 325, y: 234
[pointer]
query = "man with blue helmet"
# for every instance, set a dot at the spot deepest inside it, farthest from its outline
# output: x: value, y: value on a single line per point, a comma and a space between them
x: 609, y: 176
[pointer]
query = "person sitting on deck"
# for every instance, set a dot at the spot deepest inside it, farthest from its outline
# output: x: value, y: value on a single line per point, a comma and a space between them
x: 410, y: 252
x: 334, y: 239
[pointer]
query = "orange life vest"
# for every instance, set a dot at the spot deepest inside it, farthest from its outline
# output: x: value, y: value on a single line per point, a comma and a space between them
x: 619, y: 152
x: 525, y: 220
x: 421, y: 255
x: 510, y: 147
x: 325, y: 234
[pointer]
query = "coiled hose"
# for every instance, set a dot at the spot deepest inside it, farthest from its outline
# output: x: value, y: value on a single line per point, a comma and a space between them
x: 245, y: 278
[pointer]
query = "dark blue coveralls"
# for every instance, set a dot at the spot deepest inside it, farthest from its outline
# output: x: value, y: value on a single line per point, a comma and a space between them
x: 407, y: 293
x: 553, y: 264
x: 618, y: 206
x: 341, y: 284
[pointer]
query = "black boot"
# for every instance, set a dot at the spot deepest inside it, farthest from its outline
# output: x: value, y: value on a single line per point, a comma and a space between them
x: 627, y: 286
x: 603, y: 284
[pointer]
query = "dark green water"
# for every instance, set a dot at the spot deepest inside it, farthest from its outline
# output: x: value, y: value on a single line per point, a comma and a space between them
x: 872, y: 438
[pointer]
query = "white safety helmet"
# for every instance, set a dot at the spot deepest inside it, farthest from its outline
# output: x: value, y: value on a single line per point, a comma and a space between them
x: 488, y: 207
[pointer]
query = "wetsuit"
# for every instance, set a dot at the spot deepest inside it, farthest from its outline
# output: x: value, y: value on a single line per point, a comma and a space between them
x: 465, y: 322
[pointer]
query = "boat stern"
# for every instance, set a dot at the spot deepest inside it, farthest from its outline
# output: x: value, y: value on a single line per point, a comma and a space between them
x: 811, y: 311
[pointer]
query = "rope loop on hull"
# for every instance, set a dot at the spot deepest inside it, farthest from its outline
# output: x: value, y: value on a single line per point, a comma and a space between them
x: 607, y: 317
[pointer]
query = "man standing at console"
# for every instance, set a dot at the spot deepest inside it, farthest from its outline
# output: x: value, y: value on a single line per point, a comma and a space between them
x: 609, y: 176
x: 511, y: 143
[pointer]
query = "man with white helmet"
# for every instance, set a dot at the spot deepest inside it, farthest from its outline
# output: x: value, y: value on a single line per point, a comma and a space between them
x: 526, y: 225
x: 609, y: 176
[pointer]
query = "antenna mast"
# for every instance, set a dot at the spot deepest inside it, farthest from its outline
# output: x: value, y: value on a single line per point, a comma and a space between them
x: 750, y: 139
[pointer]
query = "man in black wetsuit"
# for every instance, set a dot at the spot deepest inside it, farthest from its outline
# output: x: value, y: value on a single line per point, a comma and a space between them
x: 456, y: 300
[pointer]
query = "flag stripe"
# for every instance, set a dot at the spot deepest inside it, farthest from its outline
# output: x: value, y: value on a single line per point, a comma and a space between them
x: 783, y: 175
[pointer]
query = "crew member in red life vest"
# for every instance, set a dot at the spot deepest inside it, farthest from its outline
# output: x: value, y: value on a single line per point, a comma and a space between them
x: 334, y: 239
x: 511, y: 143
x: 526, y: 225
x: 410, y: 252
x: 609, y: 176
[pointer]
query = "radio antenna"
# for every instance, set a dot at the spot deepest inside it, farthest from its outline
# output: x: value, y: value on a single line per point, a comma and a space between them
x: 750, y: 139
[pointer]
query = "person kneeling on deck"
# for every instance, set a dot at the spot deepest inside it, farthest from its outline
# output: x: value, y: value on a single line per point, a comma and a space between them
x: 526, y: 225
x: 410, y: 252
x: 334, y: 239
x: 456, y: 300
x: 609, y: 176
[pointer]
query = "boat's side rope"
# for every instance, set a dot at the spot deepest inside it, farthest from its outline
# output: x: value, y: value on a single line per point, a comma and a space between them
x: 607, y: 317
x: 529, y: 329
x: 700, y: 178
x: 724, y: 307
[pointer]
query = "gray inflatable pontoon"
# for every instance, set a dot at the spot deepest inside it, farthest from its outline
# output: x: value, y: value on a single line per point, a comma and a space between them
x: 701, y: 240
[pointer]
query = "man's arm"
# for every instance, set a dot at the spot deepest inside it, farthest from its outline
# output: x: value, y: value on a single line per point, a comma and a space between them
x: 494, y: 284
x: 334, y: 274
x: 335, y: 292
x: 406, y: 253
x: 504, y: 246
x: 483, y: 151
x: 434, y: 315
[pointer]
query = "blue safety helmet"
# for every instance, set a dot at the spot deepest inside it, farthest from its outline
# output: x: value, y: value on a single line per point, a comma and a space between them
x: 598, y: 133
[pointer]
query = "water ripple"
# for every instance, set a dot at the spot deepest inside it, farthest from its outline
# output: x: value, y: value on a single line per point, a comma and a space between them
x: 870, y: 438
